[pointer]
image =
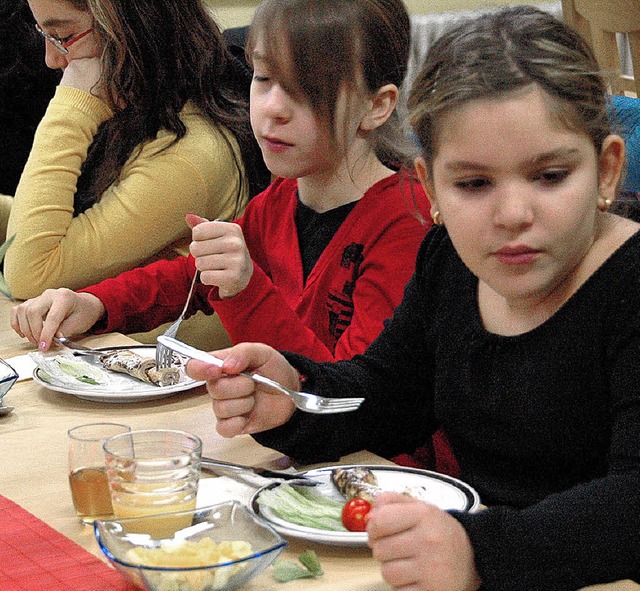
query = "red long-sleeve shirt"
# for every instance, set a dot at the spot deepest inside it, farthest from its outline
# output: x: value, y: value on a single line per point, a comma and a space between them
x: 355, y: 285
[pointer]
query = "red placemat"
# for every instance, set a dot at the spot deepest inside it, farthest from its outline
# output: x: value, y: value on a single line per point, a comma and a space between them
x: 36, y: 557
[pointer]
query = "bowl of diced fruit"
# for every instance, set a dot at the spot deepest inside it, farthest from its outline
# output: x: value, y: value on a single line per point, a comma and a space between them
x: 215, y: 548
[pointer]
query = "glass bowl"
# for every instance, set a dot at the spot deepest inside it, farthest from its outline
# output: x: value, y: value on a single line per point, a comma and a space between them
x: 156, y: 563
x: 8, y: 377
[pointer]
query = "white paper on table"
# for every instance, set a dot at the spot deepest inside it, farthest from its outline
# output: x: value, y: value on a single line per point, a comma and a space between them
x: 221, y: 489
x: 24, y: 365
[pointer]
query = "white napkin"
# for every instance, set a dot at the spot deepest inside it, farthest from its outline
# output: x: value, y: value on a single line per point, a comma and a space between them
x: 24, y: 365
x: 221, y: 489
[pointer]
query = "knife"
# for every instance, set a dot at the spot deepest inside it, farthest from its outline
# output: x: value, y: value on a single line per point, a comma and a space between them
x: 230, y: 468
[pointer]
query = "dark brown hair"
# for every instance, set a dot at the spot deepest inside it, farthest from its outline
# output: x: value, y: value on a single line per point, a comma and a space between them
x: 500, y: 52
x: 159, y: 54
x: 317, y: 48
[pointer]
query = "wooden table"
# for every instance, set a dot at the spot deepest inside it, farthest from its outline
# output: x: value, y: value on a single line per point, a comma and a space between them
x: 33, y: 443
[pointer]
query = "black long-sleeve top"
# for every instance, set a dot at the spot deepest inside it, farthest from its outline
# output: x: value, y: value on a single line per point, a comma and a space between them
x: 545, y: 425
x: 26, y: 87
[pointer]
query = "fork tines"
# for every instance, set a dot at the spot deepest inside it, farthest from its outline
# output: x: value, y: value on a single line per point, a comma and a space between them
x: 330, y: 405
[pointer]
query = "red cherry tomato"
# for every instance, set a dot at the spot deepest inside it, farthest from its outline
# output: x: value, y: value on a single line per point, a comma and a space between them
x: 353, y: 514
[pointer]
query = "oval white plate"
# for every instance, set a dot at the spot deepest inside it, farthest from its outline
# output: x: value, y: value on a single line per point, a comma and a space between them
x: 121, y: 387
x: 441, y: 490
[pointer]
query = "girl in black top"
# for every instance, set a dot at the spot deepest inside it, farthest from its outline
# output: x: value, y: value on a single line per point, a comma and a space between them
x: 519, y: 332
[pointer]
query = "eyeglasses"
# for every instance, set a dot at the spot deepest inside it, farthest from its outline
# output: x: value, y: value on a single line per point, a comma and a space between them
x: 63, y: 45
x: 8, y: 377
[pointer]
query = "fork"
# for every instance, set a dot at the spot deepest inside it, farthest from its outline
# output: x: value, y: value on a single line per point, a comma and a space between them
x: 293, y: 478
x: 303, y: 400
x: 78, y: 348
x: 164, y: 356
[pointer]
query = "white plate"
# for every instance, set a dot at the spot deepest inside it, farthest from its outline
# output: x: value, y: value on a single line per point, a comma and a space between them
x: 441, y: 490
x: 121, y: 387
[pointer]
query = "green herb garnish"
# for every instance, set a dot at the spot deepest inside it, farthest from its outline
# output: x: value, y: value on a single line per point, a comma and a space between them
x: 288, y: 570
x: 88, y: 380
x: 310, y: 559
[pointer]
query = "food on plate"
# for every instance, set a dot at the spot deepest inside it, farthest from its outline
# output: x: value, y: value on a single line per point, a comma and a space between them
x: 186, y: 554
x: 341, y: 507
x: 142, y: 368
x: 303, y: 506
x: 355, y: 482
x: 362, y: 483
x: 354, y: 512
x: 69, y: 370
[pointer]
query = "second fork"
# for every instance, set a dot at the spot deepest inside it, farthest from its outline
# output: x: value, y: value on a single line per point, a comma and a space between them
x: 303, y: 400
x: 164, y: 355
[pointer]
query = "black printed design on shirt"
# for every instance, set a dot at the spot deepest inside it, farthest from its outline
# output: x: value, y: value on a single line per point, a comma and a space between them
x: 340, y: 305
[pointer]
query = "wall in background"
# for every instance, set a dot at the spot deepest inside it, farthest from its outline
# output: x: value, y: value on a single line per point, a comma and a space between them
x: 234, y: 13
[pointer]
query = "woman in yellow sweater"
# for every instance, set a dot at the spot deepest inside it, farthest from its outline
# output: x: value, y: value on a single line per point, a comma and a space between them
x: 149, y: 122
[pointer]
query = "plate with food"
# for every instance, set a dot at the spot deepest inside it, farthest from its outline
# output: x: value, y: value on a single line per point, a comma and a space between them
x: 121, y: 374
x: 332, y: 512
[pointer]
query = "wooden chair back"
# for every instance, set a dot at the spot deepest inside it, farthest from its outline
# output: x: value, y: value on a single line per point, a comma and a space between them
x: 598, y: 21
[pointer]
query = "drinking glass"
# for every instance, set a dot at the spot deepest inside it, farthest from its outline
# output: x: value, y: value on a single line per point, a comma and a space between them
x: 154, y: 471
x: 8, y: 377
x: 87, y: 469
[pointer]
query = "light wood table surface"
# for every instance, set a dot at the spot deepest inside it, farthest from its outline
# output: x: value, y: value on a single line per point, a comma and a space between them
x: 33, y: 446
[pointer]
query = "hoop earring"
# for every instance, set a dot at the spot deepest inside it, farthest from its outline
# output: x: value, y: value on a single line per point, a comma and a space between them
x: 604, y: 204
x: 437, y: 219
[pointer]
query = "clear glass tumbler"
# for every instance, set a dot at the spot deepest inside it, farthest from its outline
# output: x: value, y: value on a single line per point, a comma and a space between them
x: 87, y: 469
x: 8, y: 377
x: 154, y: 471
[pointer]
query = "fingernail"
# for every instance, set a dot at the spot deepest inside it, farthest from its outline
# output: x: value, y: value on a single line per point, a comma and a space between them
x: 42, y: 345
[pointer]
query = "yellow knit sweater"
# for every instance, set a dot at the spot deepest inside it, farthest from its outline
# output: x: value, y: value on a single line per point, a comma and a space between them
x: 141, y: 217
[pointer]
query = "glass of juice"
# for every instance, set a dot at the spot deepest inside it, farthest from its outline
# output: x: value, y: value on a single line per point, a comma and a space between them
x: 87, y: 469
x: 154, y: 471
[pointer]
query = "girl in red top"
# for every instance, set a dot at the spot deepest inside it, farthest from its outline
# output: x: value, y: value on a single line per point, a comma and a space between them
x: 320, y: 259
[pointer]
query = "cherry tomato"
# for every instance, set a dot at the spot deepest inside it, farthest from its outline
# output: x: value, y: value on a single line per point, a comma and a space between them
x: 353, y: 514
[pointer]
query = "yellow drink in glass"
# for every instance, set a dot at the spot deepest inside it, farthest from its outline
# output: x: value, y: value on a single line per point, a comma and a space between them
x: 87, y: 471
x: 165, y: 526
x: 154, y: 472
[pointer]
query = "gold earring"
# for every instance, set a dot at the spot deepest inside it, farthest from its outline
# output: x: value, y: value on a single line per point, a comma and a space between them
x: 604, y: 204
x: 437, y: 220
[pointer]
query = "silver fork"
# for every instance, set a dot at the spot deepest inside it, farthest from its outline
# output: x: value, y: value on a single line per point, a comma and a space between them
x: 303, y: 400
x: 219, y: 466
x: 164, y: 356
x: 78, y: 348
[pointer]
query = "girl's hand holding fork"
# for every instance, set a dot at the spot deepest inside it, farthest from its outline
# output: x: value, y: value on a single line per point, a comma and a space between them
x: 239, y: 403
x: 55, y: 312
x: 221, y: 254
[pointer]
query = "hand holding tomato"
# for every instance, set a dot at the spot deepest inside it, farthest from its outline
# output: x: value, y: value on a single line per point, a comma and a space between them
x: 420, y: 546
x: 353, y: 514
